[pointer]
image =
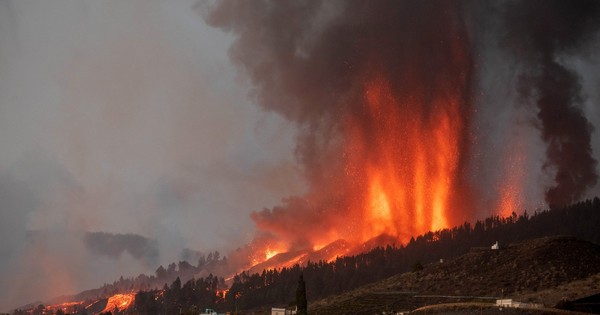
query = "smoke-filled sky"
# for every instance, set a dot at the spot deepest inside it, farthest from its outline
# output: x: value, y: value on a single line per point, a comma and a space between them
x: 124, y: 117
x: 161, y: 126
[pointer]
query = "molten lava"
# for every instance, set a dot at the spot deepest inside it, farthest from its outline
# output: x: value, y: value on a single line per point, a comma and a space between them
x: 119, y: 301
x: 383, y: 121
x: 270, y: 253
x: 410, y: 160
x: 401, y: 162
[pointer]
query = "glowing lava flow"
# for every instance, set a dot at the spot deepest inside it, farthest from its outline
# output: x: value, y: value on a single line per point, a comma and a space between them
x: 270, y: 253
x: 119, y: 302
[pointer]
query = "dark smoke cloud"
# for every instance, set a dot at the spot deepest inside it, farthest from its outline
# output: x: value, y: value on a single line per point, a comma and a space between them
x: 310, y: 60
x: 113, y: 245
x: 541, y: 34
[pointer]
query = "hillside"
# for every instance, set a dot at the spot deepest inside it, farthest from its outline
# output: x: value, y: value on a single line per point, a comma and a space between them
x: 516, y: 271
x: 261, y: 287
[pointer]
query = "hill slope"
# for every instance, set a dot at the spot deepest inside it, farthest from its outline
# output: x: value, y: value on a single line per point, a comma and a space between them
x: 482, y: 275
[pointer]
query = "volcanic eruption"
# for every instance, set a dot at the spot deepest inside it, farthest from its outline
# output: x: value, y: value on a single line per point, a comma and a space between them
x: 383, y: 95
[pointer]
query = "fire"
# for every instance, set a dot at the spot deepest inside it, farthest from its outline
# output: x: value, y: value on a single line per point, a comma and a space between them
x: 384, y: 144
x: 119, y: 301
x: 222, y: 293
x: 317, y: 247
x: 410, y: 164
x: 401, y: 161
x: 270, y: 253
x: 65, y: 307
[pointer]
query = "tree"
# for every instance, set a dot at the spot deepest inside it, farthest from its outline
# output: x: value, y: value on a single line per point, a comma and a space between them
x: 176, y: 286
x: 39, y: 309
x: 172, y: 269
x: 417, y: 267
x: 201, y: 261
x: 301, y: 303
x: 161, y: 272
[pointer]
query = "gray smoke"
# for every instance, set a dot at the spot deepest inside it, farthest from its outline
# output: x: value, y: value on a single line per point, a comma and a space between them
x: 125, y: 118
x: 541, y: 35
x: 114, y: 245
x: 308, y: 61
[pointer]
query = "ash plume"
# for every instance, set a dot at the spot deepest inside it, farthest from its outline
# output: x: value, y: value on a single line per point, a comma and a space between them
x: 320, y: 64
x: 385, y: 94
x: 113, y: 245
x: 541, y: 34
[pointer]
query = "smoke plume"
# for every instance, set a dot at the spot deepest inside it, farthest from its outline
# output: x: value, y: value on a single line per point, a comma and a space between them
x: 385, y: 94
x: 113, y: 245
x: 381, y: 94
x: 542, y: 34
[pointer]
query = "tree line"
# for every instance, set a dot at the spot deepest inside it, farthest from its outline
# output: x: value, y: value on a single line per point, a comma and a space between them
x: 277, y: 287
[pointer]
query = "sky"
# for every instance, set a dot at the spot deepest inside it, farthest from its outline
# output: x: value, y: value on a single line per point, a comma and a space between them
x: 173, y: 125
x: 124, y: 117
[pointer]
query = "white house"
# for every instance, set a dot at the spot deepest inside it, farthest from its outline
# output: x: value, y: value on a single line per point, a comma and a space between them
x: 278, y: 311
x: 282, y: 311
x: 511, y: 303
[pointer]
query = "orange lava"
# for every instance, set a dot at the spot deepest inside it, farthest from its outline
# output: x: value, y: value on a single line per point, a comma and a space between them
x: 119, y: 301
x: 409, y: 169
x: 66, y: 307
x: 400, y: 176
x: 270, y: 253
x: 389, y: 156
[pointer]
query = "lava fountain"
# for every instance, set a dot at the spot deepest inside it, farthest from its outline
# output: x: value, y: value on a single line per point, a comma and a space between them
x: 382, y: 94
x: 408, y: 164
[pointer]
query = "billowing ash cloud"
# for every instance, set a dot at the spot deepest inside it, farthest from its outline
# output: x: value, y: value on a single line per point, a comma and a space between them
x: 541, y: 35
x: 370, y: 84
x: 385, y: 94
x: 113, y: 245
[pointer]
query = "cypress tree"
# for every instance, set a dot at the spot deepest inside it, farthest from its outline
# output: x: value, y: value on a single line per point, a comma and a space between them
x: 301, y: 302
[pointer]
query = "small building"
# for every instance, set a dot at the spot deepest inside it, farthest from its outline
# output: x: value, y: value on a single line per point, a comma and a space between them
x: 278, y: 311
x: 507, y: 303
x: 504, y: 302
x: 283, y: 311
x: 516, y: 304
